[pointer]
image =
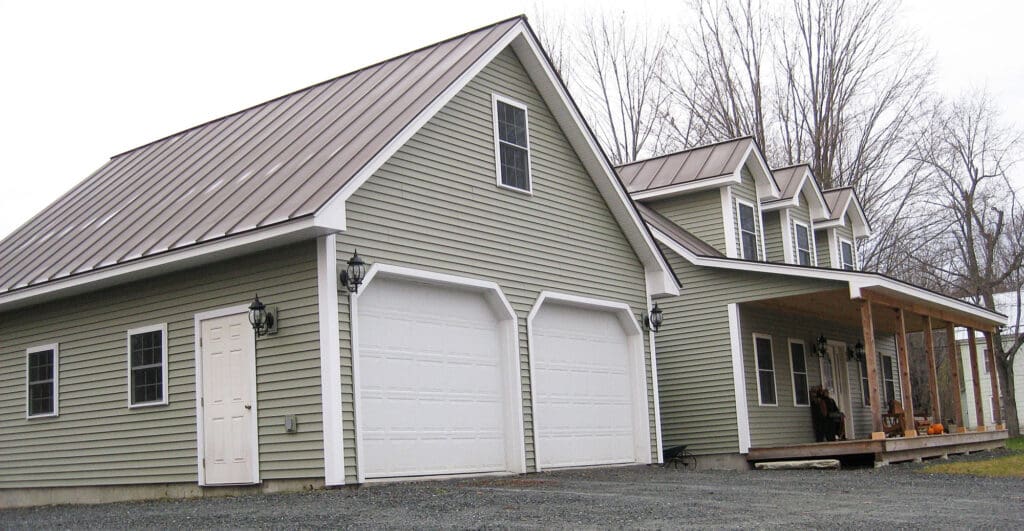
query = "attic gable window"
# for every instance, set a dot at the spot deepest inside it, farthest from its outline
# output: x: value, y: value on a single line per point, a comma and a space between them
x: 42, y: 377
x: 512, y: 144
x: 748, y: 231
x: 846, y: 255
x: 803, y: 244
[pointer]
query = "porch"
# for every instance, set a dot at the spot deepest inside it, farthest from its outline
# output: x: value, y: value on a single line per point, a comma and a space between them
x: 885, y: 451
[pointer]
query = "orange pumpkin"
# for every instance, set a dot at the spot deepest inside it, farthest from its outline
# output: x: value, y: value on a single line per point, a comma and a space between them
x: 936, y: 429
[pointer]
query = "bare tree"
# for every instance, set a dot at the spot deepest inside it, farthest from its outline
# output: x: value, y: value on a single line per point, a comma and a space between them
x: 974, y: 246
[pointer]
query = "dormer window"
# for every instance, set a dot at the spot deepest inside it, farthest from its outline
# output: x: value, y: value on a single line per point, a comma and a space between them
x: 846, y: 255
x: 511, y: 144
x: 748, y: 232
x: 803, y: 244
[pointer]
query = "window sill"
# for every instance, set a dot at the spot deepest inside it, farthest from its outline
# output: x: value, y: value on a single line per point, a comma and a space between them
x: 144, y: 405
x: 41, y: 416
x: 517, y: 190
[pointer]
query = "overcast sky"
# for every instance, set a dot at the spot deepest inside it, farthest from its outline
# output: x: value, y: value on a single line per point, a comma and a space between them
x: 85, y: 80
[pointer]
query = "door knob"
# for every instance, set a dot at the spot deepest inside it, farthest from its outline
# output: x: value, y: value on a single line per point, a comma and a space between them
x: 248, y: 406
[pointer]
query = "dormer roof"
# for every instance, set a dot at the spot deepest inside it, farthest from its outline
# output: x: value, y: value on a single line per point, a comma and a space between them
x: 794, y: 182
x: 699, y: 168
x: 842, y: 202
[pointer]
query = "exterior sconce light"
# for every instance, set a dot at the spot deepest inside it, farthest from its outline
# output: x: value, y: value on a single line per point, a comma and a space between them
x: 352, y: 276
x: 820, y: 347
x: 653, y: 320
x: 857, y: 352
x: 261, y: 318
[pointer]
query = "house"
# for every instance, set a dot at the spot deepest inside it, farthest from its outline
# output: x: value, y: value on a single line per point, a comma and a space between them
x: 767, y: 312
x: 455, y: 279
x: 1006, y: 303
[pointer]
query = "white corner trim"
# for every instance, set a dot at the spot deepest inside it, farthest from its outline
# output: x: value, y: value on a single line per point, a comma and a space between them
x: 641, y: 437
x: 330, y: 359
x: 55, y: 347
x: 759, y: 222
x: 739, y: 379
x: 728, y: 223
x: 515, y: 442
x: 500, y: 98
x: 162, y: 328
x: 788, y: 243
x: 657, y: 394
x: 198, y: 319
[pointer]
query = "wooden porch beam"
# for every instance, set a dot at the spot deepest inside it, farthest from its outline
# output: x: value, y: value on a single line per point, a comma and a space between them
x: 920, y: 309
x: 933, y: 379
x: 954, y: 364
x: 993, y: 373
x: 868, y: 327
x: 979, y: 411
x: 902, y: 350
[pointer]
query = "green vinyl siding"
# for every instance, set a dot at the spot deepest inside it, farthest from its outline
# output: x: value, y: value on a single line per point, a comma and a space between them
x: 700, y: 213
x: 845, y: 232
x: 800, y: 214
x: 822, y: 248
x: 787, y: 423
x: 435, y: 206
x: 695, y: 374
x: 97, y: 440
x: 746, y: 191
x: 773, y: 234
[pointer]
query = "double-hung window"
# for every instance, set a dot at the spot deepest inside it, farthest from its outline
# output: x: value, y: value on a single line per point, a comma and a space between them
x: 798, y: 361
x: 846, y: 255
x: 765, y: 363
x: 147, y: 366
x: 748, y: 231
x: 42, y: 377
x: 888, y: 380
x: 803, y: 244
x: 512, y: 144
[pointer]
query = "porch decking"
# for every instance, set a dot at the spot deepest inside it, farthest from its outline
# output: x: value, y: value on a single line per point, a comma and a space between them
x: 886, y: 451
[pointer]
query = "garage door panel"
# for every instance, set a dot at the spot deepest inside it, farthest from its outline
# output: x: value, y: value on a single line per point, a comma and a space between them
x: 432, y: 381
x: 585, y: 389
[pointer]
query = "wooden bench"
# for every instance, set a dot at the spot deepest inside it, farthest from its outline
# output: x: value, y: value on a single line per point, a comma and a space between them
x: 892, y: 422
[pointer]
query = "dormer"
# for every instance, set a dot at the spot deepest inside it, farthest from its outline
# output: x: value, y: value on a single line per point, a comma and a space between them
x: 836, y: 235
x: 715, y: 192
x: 789, y: 220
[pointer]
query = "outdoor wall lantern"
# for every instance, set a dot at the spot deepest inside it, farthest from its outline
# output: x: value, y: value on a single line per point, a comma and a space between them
x: 653, y: 320
x: 262, y: 318
x: 820, y: 347
x: 857, y: 352
x: 354, y: 274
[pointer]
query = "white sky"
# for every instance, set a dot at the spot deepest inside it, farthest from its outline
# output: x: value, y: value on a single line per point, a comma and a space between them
x: 83, y: 81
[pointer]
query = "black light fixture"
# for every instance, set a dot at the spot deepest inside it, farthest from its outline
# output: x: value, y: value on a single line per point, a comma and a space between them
x: 352, y: 276
x: 857, y: 352
x: 821, y: 347
x: 653, y: 320
x: 261, y: 318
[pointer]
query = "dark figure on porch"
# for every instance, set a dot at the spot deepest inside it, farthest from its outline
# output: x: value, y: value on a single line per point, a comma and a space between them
x: 828, y: 421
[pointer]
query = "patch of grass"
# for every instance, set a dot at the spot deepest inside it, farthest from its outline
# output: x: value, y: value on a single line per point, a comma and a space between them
x: 1008, y: 466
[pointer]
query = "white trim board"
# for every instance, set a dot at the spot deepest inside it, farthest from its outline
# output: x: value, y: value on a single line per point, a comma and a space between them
x: 739, y: 379
x: 641, y: 444
x: 330, y: 360
x: 515, y: 443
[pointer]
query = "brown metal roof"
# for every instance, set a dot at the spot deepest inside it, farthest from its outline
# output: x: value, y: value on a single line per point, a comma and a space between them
x: 836, y: 200
x: 269, y: 164
x: 705, y: 162
x: 680, y: 235
x: 789, y: 179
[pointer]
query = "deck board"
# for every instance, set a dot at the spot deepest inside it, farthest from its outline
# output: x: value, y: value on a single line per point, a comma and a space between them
x: 887, y: 450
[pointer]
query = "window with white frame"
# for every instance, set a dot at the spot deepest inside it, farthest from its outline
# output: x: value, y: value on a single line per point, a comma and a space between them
x: 748, y: 231
x: 147, y: 366
x: 803, y: 244
x: 42, y: 374
x: 798, y: 361
x: 765, y: 362
x: 512, y: 144
x: 865, y: 389
x: 846, y: 255
x: 888, y: 379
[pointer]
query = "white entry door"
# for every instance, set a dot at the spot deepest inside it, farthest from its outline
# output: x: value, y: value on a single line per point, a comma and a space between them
x: 585, y: 388
x: 433, y: 372
x: 230, y: 451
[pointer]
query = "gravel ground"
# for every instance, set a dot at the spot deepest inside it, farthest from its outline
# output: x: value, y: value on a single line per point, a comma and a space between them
x: 630, y: 497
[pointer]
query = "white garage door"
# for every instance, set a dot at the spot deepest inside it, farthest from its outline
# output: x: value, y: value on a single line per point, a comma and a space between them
x: 432, y: 381
x: 585, y: 387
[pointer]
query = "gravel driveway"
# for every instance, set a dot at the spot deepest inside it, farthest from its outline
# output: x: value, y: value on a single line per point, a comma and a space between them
x: 634, y: 497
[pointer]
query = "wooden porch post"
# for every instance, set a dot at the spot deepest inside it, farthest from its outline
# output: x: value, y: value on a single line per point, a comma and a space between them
x: 868, y: 326
x: 954, y: 364
x: 976, y: 379
x: 909, y: 430
x: 933, y: 380
x: 997, y: 414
